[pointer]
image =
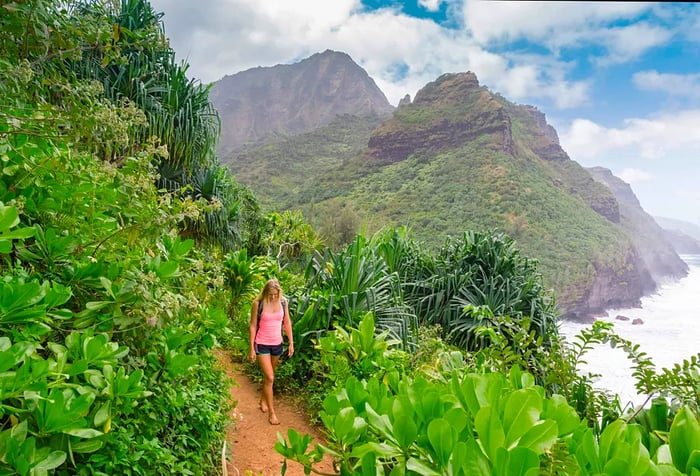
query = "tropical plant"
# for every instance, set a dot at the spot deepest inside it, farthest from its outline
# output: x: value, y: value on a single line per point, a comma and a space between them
x: 351, y: 283
x: 475, y: 424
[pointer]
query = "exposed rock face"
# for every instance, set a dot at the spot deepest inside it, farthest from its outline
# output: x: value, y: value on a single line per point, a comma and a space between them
x: 541, y: 122
x: 614, y: 288
x: 455, y: 109
x: 283, y: 100
x: 437, y: 119
x: 649, y: 238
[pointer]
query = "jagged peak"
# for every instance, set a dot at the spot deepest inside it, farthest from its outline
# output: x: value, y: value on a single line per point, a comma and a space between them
x: 328, y: 53
x: 448, y: 86
x: 293, y: 98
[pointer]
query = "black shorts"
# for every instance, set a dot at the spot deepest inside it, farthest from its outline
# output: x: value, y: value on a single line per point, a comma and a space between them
x: 273, y: 350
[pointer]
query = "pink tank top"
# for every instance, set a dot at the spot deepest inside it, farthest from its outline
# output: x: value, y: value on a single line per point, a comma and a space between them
x: 270, y: 329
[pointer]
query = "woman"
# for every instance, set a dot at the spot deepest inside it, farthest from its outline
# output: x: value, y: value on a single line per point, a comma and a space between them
x: 268, y: 314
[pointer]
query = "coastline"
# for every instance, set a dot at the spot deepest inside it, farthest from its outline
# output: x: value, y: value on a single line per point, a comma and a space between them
x: 667, y: 333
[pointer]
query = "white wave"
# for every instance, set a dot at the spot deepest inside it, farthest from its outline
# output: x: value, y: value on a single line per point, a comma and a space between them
x: 669, y: 334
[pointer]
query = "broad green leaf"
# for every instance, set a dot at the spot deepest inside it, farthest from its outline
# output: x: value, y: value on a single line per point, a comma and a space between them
x: 522, y: 410
x: 52, y: 461
x: 369, y: 466
x: 86, y: 433
x: 557, y: 408
x: 103, y: 414
x: 490, y: 430
x: 520, y: 461
x: 458, y: 418
x: 380, y: 423
x: 405, y: 431
x: 442, y: 438
x: 618, y: 466
x: 684, y: 437
x: 429, y: 405
x: 587, y: 453
x: 473, y: 461
x: 18, y: 234
x: 658, y: 414
x: 348, y: 426
x: 693, y: 461
x: 612, y: 434
x: 540, y: 437
x: 666, y: 470
x: 167, y: 269
x: 8, y: 217
x: 97, y: 305
x: 380, y: 450
x: 421, y: 468
x: 86, y: 446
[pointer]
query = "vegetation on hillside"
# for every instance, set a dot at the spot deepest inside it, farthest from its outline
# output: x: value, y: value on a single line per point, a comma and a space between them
x: 127, y: 254
x: 111, y: 289
x: 460, y: 173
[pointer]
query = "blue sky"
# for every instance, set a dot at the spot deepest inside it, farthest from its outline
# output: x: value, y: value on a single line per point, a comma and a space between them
x: 619, y: 81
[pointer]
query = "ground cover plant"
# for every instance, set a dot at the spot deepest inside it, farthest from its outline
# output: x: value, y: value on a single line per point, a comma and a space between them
x: 127, y: 253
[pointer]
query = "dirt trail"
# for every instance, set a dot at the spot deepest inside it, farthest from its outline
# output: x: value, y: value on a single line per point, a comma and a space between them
x: 251, y: 440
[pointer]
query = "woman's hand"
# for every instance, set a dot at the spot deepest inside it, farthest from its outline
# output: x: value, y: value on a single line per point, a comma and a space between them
x: 290, y: 351
x: 251, y: 355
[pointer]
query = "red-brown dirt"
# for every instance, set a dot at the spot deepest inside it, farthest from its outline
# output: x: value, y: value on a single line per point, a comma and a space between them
x: 250, y: 437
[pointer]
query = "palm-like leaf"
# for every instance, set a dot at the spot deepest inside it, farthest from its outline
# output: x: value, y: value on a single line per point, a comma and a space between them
x: 354, y: 282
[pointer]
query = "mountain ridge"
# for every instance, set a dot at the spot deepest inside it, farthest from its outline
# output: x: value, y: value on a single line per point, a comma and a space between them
x: 271, y: 103
x: 460, y: 157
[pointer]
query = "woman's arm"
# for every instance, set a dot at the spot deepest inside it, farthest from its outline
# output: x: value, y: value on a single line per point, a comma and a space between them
x: 253, y: 328
x: 288, y: 329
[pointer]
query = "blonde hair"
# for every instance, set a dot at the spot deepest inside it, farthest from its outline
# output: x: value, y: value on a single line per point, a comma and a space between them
x: 271, y: 285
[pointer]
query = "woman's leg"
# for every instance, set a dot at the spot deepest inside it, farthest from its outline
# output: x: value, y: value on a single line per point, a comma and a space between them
x: 268, y: 364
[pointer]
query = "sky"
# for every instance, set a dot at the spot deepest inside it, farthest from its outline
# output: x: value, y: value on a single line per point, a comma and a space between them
x: 619, y: 81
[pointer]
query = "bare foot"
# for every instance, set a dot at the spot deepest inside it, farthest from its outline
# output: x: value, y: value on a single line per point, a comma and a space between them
x: 273, y: 420
x: 263, y: 406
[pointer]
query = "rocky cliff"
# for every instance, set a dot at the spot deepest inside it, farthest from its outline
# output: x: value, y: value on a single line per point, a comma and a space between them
x: 650, y: 239
x: 522, y: 182
x: 268, y: 103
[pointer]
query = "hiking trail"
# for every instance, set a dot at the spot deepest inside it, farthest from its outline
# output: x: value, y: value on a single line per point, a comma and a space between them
x: 251, y: 438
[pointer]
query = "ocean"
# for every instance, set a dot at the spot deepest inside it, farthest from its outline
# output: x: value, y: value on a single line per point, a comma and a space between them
x: 669, y: 334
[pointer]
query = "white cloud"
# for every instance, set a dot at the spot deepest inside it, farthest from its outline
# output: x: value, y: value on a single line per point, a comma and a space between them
x: 220, y: 37
x: 657, y: 138
x: 431, y: 5
x: 673, y: 84
x: 633, y: 176
x: 657, y: 156
x: 629, y: 42
x: 558, y: 25
x: 227, y: 36
x: 542, y: 21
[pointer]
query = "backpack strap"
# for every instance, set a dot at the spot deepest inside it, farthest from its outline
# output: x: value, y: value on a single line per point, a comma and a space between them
x: 260, y: 306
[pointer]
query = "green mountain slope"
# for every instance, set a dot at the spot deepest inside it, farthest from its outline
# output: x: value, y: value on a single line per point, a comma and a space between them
x: 303, y: 169
x: 460, y: 157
